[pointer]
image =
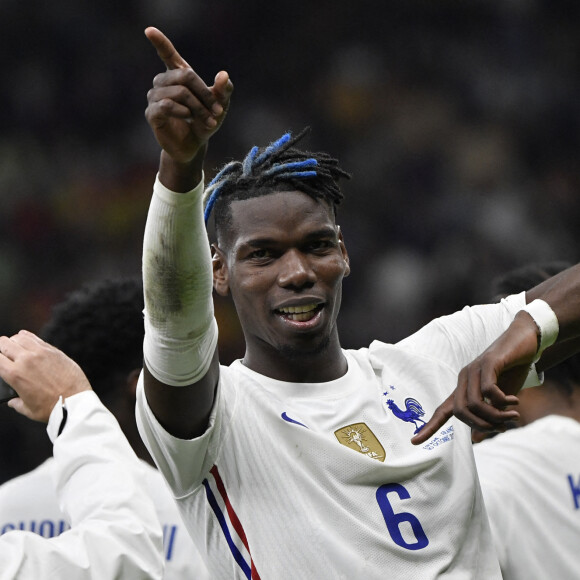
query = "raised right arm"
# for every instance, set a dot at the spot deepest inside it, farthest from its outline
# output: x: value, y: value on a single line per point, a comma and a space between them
x: 180, y: 349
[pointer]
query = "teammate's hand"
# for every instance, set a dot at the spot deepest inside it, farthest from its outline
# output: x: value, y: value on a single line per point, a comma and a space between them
x: 488, y: 385
x: 182, y: 110
x: 39, y: 373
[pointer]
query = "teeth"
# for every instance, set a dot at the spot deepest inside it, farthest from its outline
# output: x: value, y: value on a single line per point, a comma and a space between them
x: 298, y: 309
x: 300, y: 313
x: 302, y: 316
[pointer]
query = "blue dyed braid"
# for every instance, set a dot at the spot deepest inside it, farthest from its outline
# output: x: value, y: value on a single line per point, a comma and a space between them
x: 278, y: 165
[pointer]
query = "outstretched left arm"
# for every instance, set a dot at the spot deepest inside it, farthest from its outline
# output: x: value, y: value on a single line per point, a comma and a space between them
x: 490, y: 383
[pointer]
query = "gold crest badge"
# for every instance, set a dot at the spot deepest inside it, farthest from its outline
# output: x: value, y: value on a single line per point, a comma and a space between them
x: 359, y: 437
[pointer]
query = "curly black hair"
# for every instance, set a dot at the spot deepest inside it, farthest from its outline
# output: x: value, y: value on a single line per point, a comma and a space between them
x: 100, y: 326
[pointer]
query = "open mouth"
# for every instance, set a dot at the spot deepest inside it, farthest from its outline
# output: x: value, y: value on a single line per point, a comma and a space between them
x: 302, y: 313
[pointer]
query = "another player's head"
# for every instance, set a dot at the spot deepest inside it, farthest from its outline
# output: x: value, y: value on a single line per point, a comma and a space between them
x: 562, y: 381
x: 525, y: 278
x: 101, y: 327
x: 280, y: 252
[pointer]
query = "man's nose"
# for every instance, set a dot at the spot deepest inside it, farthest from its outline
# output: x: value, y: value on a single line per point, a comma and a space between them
x: 295, y: 270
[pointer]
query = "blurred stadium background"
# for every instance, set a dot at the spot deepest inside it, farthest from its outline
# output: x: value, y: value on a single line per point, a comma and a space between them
x: 460, y: 122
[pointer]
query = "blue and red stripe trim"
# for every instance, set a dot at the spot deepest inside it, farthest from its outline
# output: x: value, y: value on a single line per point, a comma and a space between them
x: 247, y: 567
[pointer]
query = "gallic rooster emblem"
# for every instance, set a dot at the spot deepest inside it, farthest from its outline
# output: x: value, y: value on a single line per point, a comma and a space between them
x: 412, y: 413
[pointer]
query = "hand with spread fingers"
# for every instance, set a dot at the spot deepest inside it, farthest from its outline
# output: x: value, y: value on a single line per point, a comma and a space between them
x: 183, y: 111
x: 490, y: 383
x: 39, y: 373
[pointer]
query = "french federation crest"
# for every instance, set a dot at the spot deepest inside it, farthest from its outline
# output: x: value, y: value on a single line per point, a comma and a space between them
x: 411, y: 414
x: 360, y: 438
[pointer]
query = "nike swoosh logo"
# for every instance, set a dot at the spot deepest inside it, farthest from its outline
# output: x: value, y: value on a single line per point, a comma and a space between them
x: 290, y: 420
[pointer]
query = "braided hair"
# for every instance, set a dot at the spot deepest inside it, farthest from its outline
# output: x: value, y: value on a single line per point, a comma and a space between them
x: 278, y: 167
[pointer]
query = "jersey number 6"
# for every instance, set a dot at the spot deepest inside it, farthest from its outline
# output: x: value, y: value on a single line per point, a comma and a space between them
x: 394, y: 520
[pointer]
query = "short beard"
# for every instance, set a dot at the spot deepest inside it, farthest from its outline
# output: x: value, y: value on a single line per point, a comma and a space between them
x: 294, y: 352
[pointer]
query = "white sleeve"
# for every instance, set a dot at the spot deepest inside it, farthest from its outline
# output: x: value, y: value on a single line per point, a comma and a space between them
x: 182, y: 462
x: 180, y: 328
x: 495, y: 483
x: 459, y: 338
x: 115, y: 531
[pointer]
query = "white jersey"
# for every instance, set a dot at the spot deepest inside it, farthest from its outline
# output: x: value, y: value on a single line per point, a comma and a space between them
x: 531, y: 484
x: 115, y: 532
x: 29, y: 502
x: 320, y: 481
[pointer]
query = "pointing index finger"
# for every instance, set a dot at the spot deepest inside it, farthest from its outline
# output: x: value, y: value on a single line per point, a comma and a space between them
x: 165, y: 49
x: 441, y: 415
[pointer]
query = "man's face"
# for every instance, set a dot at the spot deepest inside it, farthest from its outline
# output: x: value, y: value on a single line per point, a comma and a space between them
x: 283, y: 261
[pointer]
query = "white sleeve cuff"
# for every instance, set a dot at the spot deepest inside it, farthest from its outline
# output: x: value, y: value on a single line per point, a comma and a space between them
x: 547, y: 324
x: 534, y: 379
x: 176, y: 199
x: 55, y: 420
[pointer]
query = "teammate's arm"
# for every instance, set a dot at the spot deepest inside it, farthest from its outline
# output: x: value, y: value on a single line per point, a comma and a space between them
x: 489, y: 383
x: 114, y: 528
x: 181, y: 365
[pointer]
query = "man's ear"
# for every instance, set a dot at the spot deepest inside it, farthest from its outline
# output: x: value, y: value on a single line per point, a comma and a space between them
x: 344, y: 252
x: 220, y: 271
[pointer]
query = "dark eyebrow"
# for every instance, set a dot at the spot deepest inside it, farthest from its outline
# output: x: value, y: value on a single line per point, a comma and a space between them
x: 327, y: 232
x: 257, y: 243
x: 254, y: 243
x: 322, y: 233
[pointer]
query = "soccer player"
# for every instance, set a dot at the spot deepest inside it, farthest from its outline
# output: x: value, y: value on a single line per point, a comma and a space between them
x: 115, y: 532
x: 297, y: 461
x: 100, y: 327
x: 530, y: 476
